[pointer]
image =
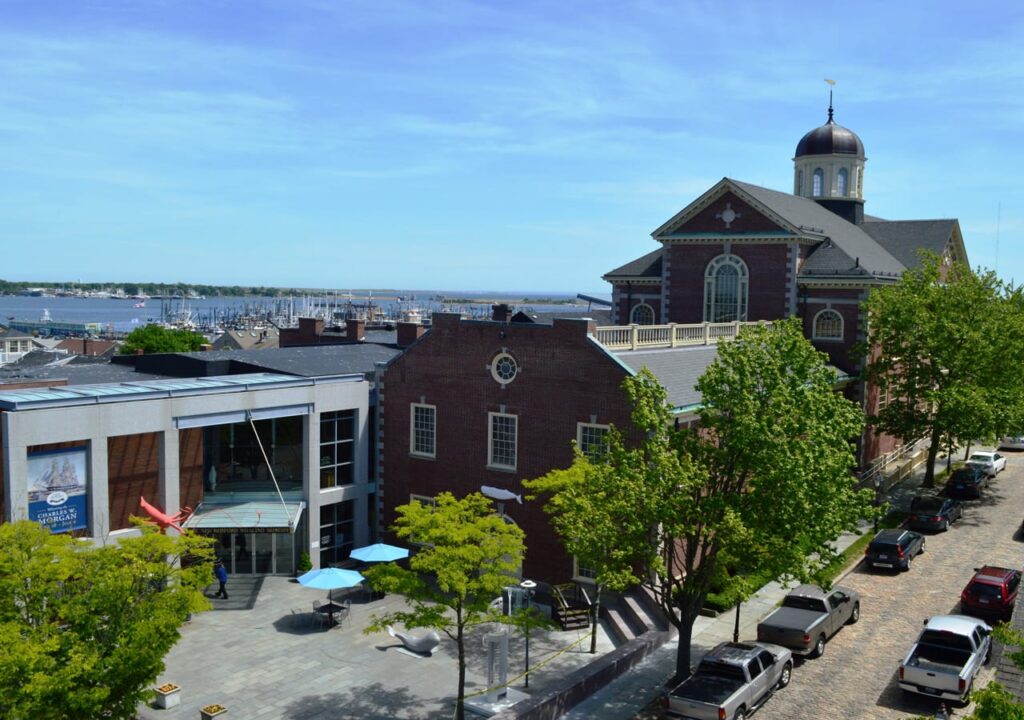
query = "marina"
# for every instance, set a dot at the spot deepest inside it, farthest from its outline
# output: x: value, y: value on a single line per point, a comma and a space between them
x: 115, y: 315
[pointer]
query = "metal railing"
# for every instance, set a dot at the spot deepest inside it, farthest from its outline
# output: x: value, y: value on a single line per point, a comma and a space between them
x: 634, y: 337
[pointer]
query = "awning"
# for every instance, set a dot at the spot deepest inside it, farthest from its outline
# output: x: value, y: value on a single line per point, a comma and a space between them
x: 245, y: 517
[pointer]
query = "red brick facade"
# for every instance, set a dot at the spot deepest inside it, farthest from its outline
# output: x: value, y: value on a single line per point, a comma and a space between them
x: 563, y: 379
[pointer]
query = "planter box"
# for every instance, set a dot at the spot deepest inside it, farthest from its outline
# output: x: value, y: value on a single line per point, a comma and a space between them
x: 211, y: 711
x: 168, y: 696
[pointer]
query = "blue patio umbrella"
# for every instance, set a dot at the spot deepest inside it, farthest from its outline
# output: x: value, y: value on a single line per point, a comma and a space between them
x: 330, y: 579
x: 380, y: 552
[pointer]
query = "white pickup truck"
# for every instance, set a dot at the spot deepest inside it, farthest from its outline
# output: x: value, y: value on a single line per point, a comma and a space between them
x: 947, y: 657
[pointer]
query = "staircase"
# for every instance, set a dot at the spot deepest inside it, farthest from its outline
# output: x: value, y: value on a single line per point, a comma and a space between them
x: 631, y: 615
x: 571, y: 607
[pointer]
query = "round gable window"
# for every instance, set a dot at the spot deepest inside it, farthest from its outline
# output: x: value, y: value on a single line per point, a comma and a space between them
x: 504, y: 368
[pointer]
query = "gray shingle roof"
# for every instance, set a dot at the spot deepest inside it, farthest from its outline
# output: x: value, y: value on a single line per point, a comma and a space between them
x: 812, y: 217
x: 648, y: 266
x: 903, y: 238
x: 309, y: 361
x: 677, y: 369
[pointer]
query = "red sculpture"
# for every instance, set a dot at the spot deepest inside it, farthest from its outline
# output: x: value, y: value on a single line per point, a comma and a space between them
x: 163, y: 519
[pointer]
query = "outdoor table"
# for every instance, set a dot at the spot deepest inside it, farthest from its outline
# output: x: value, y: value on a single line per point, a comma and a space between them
x: 329, y: 609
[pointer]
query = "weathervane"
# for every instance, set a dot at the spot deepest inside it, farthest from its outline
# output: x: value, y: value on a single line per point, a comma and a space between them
x: 831, y: 84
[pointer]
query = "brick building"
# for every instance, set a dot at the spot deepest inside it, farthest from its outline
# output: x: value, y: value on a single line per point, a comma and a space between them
x: 741, y: 252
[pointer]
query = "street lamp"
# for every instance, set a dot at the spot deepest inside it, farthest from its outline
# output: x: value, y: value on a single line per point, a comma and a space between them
x: 528, y: 587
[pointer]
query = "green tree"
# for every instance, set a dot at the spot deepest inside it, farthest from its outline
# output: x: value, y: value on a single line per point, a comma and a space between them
x: 84, y: 629
x: 767, y: 479
x: 945, y: 344
x: 594, y: 514
x: 467, y: 555
x: 158, y: 339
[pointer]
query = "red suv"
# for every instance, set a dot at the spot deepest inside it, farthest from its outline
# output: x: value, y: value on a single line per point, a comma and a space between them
x: 991, y: 592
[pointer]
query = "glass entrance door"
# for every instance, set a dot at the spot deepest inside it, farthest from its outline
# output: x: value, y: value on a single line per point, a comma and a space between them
x: 256, y: 553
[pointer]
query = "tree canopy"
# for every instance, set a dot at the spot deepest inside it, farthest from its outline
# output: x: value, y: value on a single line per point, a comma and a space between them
x: 467, y: 554
x: 154, y: 338
x: 766, y: 483
x: 593, y: 513
x: 83, y: 629
x: 945, y: 345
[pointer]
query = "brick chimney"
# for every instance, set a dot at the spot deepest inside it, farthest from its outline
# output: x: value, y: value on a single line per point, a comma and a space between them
x: 501, y: 312
x: 355, y: 330
x: 310, y: 329
x: 408, y: 333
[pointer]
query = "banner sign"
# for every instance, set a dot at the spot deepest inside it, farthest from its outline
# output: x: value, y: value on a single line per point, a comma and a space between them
x: 56, y: 489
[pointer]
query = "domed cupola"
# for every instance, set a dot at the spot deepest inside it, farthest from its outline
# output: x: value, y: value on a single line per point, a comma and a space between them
x: 829, y: 168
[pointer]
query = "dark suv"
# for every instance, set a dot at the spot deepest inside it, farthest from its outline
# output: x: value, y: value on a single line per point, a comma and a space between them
x: 931, y: 512
x: 894, y: 549
x: 967, y: 481
x: 992, y: 592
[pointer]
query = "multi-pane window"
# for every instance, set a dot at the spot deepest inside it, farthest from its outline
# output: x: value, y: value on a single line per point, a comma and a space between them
x: 501, y: 444
x: 337, y: 445
x: 582, y: 572
x: 643, y: 314
x: 818, y: 183
x: 725, y: 290
x: 828, y: 325
x: 336, y: 532
x: 883, y: 397
x: 422, y: 430
x: 592, y: 439
x: 841, y: 182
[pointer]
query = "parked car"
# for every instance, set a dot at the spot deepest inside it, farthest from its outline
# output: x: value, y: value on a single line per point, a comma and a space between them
x: 991, y: 462
x: 731, y: 681
x: 1012, y: 442
x: 967, y: 482
x: 948, y: 655
x: 808, y: 617
x: 931, y: 512
x: 992, y: 592
x: 894, y: 549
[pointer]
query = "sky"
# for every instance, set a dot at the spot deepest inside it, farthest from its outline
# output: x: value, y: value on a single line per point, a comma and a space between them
x: 500, y: 145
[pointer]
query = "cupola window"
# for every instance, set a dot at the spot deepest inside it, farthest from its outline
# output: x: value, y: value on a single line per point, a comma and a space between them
x: 818, y: 187
x: 725, y: 290
x: 841, y: 182
x: 800, y: 182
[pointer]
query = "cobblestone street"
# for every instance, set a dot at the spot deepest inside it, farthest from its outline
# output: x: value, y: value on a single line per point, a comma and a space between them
x: 856, y: 677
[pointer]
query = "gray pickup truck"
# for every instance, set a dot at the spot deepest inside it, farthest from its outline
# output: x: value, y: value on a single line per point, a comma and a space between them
x: 808, y: 617
x: 947, y: 657
x: 731, y: 681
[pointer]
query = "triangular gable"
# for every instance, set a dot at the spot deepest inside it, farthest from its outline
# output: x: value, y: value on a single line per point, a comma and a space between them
x: 724, y: 210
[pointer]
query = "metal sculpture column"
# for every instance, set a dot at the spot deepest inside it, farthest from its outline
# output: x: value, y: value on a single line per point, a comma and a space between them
x: 497, y: 666
x: 529, y: 587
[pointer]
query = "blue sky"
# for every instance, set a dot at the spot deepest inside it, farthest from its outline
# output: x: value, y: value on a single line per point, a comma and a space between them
x: 474, y: 145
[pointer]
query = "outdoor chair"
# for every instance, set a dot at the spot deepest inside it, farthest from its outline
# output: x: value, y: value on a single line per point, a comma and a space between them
x: 318, y: 618
x: 346, y: 609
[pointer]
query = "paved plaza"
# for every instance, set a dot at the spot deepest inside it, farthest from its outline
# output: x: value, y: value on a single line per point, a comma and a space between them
x: 270, y: 662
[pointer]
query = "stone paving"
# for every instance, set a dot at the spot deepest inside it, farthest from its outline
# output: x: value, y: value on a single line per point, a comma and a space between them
x: 266, y: 662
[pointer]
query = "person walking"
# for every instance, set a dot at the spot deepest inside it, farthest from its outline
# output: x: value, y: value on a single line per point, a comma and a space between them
x: 222, y: 577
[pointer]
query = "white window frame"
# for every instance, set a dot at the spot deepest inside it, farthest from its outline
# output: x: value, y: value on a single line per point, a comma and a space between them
x: 423, y: 500
x: 579, y: 572
x: 815, y: 335
x: 883, y: 398
x: 580, y: 426
x: 843, y: 182
x: 742, y: 287
x: 413, y: 407
x: 643, y: 307
x: 490, y: 441
x: 818, y: 183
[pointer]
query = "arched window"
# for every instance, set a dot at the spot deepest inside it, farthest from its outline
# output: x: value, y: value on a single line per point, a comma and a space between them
x: 799, y: 182
x: 818, y: 187
x: 725, y: 290
x: 642, y: 314
x: 828, y: 325
x: 841, y: 182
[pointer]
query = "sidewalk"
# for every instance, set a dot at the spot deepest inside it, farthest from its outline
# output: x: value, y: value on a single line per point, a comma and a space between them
x: 628, y: 695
